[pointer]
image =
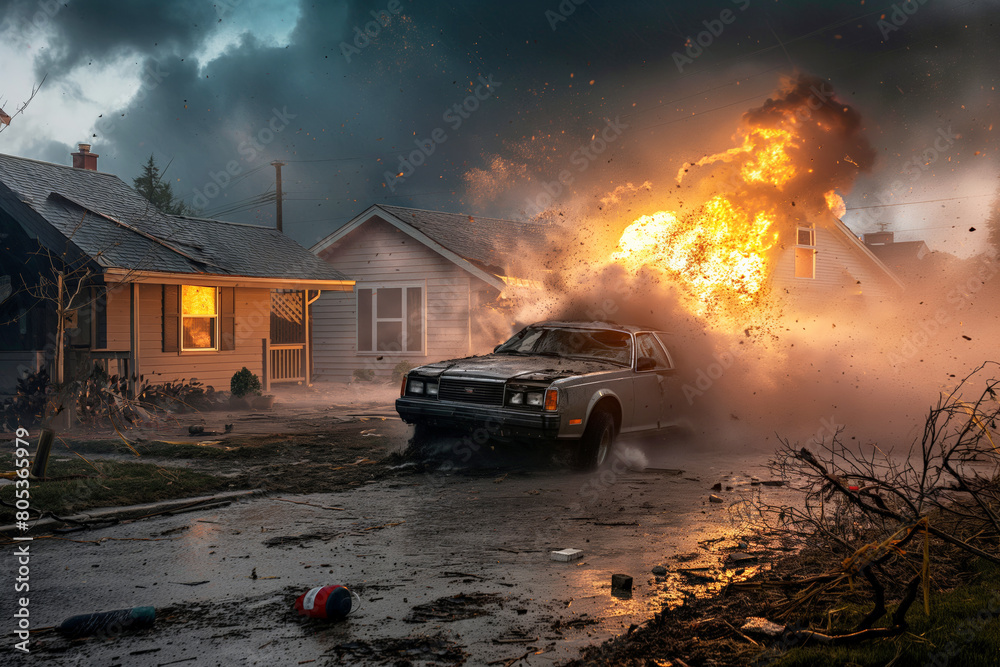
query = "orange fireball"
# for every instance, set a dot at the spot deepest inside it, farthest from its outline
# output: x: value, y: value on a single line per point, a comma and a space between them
x: 719, y: 252
x: 793, y: 150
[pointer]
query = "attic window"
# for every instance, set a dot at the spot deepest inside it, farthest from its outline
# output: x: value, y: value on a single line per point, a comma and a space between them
x: 805, y: 252
x: 200, y: 317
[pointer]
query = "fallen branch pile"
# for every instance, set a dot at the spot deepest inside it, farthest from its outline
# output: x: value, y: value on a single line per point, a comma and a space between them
x: 871, y: 506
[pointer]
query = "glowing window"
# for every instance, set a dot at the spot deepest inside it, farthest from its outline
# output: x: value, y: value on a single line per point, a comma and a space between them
x: 805, y: 252
x: 199, y: 317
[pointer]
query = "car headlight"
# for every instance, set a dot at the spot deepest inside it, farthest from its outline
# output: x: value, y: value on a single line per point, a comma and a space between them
x: 416, y: 387
x: 535, y: 398
x: 432, y: 389
x: 516, y: 398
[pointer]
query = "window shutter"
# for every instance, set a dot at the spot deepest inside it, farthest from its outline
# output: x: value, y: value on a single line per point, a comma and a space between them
x: 364, y: 320
x: 414, y: 319
x: 171, y: 318
x: 227, y: 318
x: 101, y: 319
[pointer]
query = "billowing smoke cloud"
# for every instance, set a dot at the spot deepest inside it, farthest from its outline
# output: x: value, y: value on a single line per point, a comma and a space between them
x: 870, y: 368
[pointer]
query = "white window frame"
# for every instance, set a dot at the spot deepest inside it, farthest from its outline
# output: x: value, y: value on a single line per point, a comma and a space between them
x: 375, y: 287
x: 803, y: 246
x: 215, y: 324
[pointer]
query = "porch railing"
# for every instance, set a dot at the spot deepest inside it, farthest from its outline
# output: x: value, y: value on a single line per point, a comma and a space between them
x: 285, y: 363
x: 113, y: 363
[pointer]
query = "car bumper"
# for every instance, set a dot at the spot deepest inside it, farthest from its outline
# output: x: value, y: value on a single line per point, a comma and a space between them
x: 497, y: 422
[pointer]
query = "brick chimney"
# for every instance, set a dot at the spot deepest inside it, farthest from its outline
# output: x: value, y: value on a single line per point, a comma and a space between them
x: 85, y: 159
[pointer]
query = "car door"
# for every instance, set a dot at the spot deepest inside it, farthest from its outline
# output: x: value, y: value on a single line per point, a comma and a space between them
x: 670, y: 385
x: 653, y: 386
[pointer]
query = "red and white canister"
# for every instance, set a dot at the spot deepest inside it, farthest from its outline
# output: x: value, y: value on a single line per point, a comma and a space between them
x: 327, y: 602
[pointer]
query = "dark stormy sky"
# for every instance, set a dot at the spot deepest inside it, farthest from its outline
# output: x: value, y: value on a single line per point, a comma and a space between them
x: 219, y: 90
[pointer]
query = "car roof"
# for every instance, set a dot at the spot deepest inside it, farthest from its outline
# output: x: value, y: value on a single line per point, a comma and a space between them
x: 594, y: 324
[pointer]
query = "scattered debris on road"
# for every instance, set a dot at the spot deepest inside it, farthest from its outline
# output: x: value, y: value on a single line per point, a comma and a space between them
x: 621, y: 583
x: 454, y: 608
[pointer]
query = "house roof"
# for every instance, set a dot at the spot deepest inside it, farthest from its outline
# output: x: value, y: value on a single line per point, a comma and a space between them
x: 485, y: 246
x: 489, y: 242
x: 899, y: 254
x: 118, y: 229
x: 859, y: 246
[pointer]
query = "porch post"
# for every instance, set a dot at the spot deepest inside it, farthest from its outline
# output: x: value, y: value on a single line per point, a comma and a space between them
x: 133, y: 361
x: 306, y: 356
x: 265, y: 371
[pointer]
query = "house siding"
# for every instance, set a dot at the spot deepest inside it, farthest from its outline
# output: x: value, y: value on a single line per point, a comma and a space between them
x: 253, y: 321
x: 378, y: 253
x: 119, y: 313
x: 841, y: 272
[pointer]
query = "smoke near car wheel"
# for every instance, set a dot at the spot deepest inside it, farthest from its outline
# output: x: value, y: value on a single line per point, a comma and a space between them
x: 425, y: 442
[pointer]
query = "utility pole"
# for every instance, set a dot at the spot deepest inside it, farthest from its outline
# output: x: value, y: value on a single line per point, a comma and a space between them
x: 277, y: 175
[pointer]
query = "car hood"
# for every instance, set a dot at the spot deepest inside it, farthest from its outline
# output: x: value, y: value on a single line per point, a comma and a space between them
x: 511, y: 367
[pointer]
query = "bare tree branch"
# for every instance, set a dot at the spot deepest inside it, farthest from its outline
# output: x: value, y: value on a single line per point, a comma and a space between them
x: 5, y: 118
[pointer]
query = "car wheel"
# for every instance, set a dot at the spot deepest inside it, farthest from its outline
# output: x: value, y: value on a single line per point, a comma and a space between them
x: 422, y: 441
x: 597, y: 442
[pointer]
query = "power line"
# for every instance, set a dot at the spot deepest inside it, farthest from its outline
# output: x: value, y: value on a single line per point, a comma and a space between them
x: 236, y: 207
x: 923, y: 229
x: 699, y: 113
x: 911, y: 203
x: 344, y: 159
x: 228, y: 206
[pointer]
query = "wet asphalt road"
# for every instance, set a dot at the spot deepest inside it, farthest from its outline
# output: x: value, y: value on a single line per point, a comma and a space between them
x: 482, y: 530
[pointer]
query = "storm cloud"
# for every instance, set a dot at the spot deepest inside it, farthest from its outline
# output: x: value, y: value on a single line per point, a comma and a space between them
x: 354, y: 94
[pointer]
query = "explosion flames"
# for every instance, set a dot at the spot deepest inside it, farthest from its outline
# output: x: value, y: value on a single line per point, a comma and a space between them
x: 794, y: 150
x: 722, y: 252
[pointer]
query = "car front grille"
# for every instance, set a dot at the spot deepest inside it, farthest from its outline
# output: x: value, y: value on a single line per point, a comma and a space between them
x: 471, y: 391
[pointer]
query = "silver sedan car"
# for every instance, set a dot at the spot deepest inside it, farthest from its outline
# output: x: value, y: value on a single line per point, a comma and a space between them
x: 575, y: 384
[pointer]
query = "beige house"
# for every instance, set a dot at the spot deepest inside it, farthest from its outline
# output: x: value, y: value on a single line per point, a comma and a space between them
x: 162, y: 296
x: 422, y: 277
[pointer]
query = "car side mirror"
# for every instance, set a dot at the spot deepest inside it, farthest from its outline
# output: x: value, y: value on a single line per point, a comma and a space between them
x: 645, y: 364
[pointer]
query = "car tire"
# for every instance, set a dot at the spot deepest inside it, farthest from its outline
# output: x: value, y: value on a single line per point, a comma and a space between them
x: 597, y: 443
x: 422, y: 440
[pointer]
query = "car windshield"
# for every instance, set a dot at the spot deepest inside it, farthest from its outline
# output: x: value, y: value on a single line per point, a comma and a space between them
x: 613, y: 346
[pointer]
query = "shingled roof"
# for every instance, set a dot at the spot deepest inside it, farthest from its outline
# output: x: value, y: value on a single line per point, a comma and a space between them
x: 117, y: 228
x: 490, y: 247
x: 490, y: 243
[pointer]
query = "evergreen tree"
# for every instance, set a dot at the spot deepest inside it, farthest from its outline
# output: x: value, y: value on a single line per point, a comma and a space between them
x: 150, y: 184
